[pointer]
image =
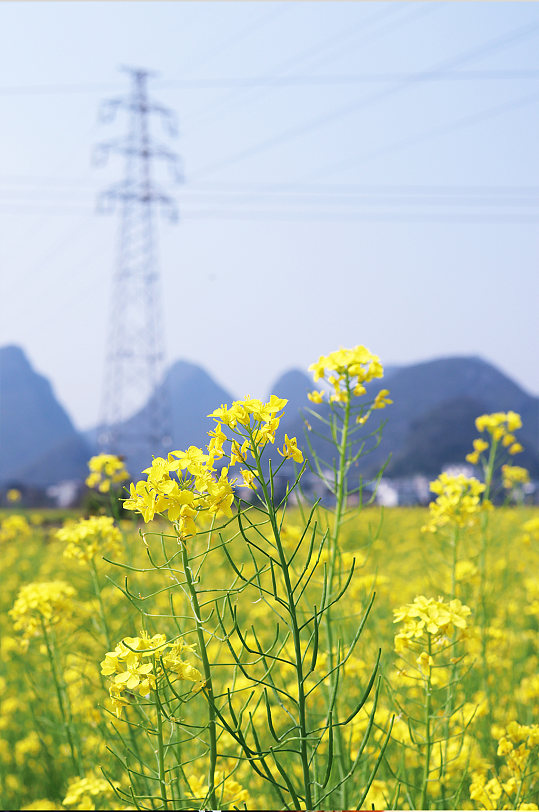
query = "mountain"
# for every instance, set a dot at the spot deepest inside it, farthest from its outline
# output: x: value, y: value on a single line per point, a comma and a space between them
x: 191, y: 394
x: 431, y: 421
x: 443, y: 436
x: 294, y: 386
x: 39, y: 445
x: 418, y: 389
x: 429, y: 425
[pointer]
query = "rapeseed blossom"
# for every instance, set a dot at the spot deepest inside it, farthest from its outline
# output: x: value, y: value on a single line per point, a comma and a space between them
x: 229, y: 791
x: 458, y: 503
x: 188, y: 482
x: 137, y: 663
x: 501, y: 427
x: 41, y: 605
x: 106, y: 470
x: 513, y: 475
x: 347, y: 371
x: 290, y: 450
x: 88, y: 538
x: 517, y: 744
x: 82, y: 791
x: 531, y: 531
x: 13, y: 495
x: 427, y: 617
x: 14, y: 528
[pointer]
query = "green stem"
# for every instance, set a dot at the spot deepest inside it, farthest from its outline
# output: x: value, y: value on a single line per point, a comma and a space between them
x: 208, y: 686
x: 63, y: 701
x: 455, y: 545
x: 340, y: 508
x: 160, y: 750
x: 453, y: 670
x: 114, y: 505
x: 295, y: 632
x: 428, y: 711
x: 522, y: 780
x: 102, y: 615
x: 489, y: 474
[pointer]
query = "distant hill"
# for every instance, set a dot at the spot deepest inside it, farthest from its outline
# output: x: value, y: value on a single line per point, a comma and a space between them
x: 431, y: 421
x: 429, y: 425
x: 294, y: 386
x: 443, y: 436
x: 418, y: 389
x: 191, y: 394
x: 39, y: 445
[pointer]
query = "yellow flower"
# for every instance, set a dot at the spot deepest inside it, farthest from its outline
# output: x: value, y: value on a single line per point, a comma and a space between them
x: 144, y: 499
x: 81, y: 791
x: 500, y: 426
x: 316, y: 396
x: 290, y: 450
x: 90, y: 537
x: 106, y: 470
x: 137, y: 663
x: 13, y: 495
x: 248, y: 479
x: 42, y: 604
x: 382, y: 399
x: 14, y: 528
x: 427, y: 616
x: 347, y: 370
x: 479, y: 446
x: 458, y: 503
x: 513, y: 475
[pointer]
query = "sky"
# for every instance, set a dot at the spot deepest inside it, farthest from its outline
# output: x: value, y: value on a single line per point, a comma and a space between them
x: 354, y: 173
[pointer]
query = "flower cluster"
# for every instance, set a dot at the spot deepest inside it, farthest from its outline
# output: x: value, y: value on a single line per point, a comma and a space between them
x: 13, y: 495
x: 188, y: 482
x: 89, y: 538
x: 106, y: 470
x: 513, y: 475
x: 459, y: 502
x: 531, y: 531
x: 427, y: 617
x: 137, y: 663
x: 81, y: 791
x: 14, y: 528
x: 501, y: 427
x: 48, y: 603
x: 229, y: 791
x: 347, y: 371
x: 516, y: 743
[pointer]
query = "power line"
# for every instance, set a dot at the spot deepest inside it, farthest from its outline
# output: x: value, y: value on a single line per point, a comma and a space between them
x: 413, y: 140
x: 245, y: 31
x: 217, y: 212
x: 300, y: 80
x: 381, y: 217
x: 294, y: 186
x: 350, y: 79
x: 363, y: 102
x: 318, y: 51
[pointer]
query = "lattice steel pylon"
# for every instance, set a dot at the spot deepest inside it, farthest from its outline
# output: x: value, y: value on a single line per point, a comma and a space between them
x: 133, y: 421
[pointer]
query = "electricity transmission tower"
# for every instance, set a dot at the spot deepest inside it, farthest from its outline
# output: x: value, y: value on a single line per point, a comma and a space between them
x: 133, y: 421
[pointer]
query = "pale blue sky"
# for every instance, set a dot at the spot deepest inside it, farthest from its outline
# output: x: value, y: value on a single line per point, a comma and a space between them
x: 273, y: 261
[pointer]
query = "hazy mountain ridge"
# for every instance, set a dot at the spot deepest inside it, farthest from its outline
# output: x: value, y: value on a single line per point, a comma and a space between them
x: 39, y: 444
x: 192, y: 394
x: 430, y: 399
x: 429, y: 425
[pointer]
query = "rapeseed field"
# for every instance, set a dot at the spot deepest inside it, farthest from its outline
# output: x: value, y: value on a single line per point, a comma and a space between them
x: 226, y: 646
